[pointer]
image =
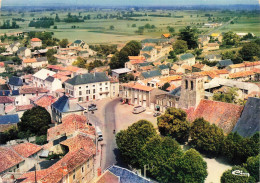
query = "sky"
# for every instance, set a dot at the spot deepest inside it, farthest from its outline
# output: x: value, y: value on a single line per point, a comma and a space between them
x: 129, y: 2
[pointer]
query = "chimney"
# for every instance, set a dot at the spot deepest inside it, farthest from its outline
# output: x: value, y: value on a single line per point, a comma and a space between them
x: 94, y: 74
x: 37, y: 92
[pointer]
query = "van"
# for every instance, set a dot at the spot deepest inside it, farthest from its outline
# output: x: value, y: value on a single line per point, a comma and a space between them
x: 138, y: 109
x: 99, y: 134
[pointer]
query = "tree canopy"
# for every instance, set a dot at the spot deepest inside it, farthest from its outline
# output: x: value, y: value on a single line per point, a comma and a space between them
x: 174, y: 124
x: 180, y: 46
x: 63, y: 43
x: 252, y: 166
x: 206, y: 138
x: 131, y: 141
x: 190, y: 35
x: 230, y: 38
x: 228, y: 177
x: 80, y: 62
x: 250, y: 51
x: 35, y: 121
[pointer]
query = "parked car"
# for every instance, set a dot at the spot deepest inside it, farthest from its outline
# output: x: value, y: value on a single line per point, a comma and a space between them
x: 92, y: 107
x: 138, y: 109
x: 156, y: 113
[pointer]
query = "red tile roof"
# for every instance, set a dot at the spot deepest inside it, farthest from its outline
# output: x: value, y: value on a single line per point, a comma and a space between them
x: 45, y: 100
x: 241, y: 74
x: 6, y: 99
x: 26, y: 149
x: 70, y: 124
x: 24, y: 107
x: 30, y: 60
x: 35, y: 40
x: 138, y: 86
x: 170, y: 88
x: 198, y: 65
x: 245, y: 64
x: 56, y: 67
x: 167, y: 35
x: 224, y: 115
x: 9, y: 158
x: 2, y: 64
x: 31, y: 89
x: 108, y: 177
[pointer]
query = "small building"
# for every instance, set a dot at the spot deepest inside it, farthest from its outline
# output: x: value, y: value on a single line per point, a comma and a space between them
x: 187, y: 58
x: 149, y: 51
x: 117, y: 72
x: 150, y: 74
x: 36, y: 42
x: 15, y: 83
x: 213, y: 57
x: 52, y: 83
x: 35, y: 62
x: 65, y: 106
x: 78, y: 43
x: 40, y: 77
x: 166, y: 36
x: 24, y: 52
x: 224, y: 63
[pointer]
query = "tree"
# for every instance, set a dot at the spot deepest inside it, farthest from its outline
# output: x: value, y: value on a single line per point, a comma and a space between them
x: 206, y: 138
x: 160, y: 154
x: 174, y: 124
x: 190, y: 35
x: 28, y: 70
x: 50, y: 56
x: 131, y: 141
x: 80, y: 62
x: 63, y: 43
x: 252, y: 166
x: 35, y: 120
x: 111, y: 27
x: 250, y: 51
x: 180, y: 46
x: 229, y: 96
x: 165, y: 86
x: 57, y: 18
x: 228, y: 177
x: 125, y: 78
x: 191, y: 168
x: 230, y: 38
x: 172, y: 56
x: 171, y: 29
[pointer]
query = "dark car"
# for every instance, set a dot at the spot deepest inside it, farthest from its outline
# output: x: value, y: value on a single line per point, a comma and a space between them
x: 156, y: 114
x: 92, y: 107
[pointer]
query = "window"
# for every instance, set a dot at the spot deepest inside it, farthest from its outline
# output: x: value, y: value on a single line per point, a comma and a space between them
x: 94, y: 91
x: 100, y: 89
x: 246, y: 91
x: 23, y: 94
x: 93, y: 86
x: 86, y: 86
x: 33, y: 94
x: 80, y: 92
x: 114, y: 87
x: 74, y: 175
x: 79, y: 88
x: 88, y: 163
x: 82, y: 169
x: 186, y: 84
x: 106, y: 83
x: 100, y: 84
x: 191, y: 85
x: 106, y: 88
x: 17, y: 166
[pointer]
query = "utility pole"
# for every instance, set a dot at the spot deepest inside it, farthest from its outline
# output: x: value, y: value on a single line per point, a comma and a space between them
x: 35, y: 174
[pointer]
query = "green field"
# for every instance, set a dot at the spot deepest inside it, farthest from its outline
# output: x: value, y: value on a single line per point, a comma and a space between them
x: 95, y: 31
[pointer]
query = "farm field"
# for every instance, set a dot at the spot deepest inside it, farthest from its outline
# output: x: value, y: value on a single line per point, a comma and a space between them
x: 97, y: 31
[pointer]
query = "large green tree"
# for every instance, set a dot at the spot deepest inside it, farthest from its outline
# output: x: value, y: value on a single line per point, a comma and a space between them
x: 132, y: 48
x: 191, y: 168
x: 63, y: 43
x: 160, y: 155
x: 180, y: 46
x: 228, y: 177
x: 190, y: 35
x: 131, y: 141
x: 230, y: 38
x: 80, y: 62
x: 250, y: 51
x: 174, y: 123
x: 252, y: 166
x: 206, y: 138
x: 36, y: 121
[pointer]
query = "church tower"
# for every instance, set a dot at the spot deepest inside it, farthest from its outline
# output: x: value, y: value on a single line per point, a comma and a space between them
x: 192, y: 91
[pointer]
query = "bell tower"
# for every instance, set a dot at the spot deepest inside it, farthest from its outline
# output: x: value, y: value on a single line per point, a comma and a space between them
x: 192, y: 91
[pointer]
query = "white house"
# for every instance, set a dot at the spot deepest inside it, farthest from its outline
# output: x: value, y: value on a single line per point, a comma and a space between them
x: 24, y: 52
x: 40, y: 76
x: 52, y: 83
x: 36, y: 42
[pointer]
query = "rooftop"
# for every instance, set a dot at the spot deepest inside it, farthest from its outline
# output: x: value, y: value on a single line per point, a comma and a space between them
x: 9, y: 119
x: 31, y: 89
x: 150, y: 74
x: 16, y: 81
x: 138, y: 86
x: 88, y: 78
x: 63, y: 104
x: 35, y: 40
x: 43, y: 74
x: 186, y: 56
x: 121, y: 71
x: 9, y: 158
x: 26, y: 149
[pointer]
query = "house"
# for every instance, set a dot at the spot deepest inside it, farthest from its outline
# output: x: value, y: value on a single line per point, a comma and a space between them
x: 187, y: 58
x: 40, y: 77
x: 118, y: 72
x: 40, y: 53
x: 7, y: 121
x: 213, y: 57
x: 12, y: 48
x: 150, y: 74
x: 216, y: 36
x: 52, y: 83
x: 243, y: 76
x: 44, y: 101
x: 66, y: 59
x: 224, y: 63
x: 35, y: 62
x: 65, y: 106
x: 133, y: 62
x: 18, y: 158
x: 211, y: 46
x: 36, y: 42
x: 78, y: 43
x: 245, y: 66
x: 15, y: 83
x: 4, y: 102
x: 114, y: 87
x: 116, y: 174
x: 91, y: 86
x: 164, y: 69
x: 149, y: 52
x: 27, y: 92
x: 249, y: 122
x: 22, y: 108
x: 24, y: 52
x: 77, y: 164
x: 198, y: 67
x: 137, y: 94
x: 166, y: 36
